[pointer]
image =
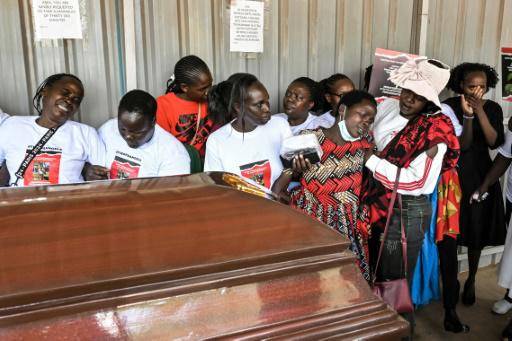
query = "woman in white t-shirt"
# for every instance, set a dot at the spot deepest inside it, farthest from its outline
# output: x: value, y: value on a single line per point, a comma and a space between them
x: 248, y: 146
x: 303, y: 96
x: 63, y: 156
x: 136, y: 146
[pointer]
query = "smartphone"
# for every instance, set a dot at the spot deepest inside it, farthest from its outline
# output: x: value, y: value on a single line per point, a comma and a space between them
x: 310, y: 155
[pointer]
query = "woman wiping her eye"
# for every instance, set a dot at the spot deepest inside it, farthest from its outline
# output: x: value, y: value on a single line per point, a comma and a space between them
x: 481, y: 223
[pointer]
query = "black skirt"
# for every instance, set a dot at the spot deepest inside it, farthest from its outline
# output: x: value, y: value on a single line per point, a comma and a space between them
x: 481, y: 224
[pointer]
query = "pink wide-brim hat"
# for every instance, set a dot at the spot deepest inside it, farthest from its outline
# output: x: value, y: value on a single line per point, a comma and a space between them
x: 422, y: 77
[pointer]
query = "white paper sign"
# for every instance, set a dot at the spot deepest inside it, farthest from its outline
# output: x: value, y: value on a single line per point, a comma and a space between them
x: 246, y: 26
x: 56, y: 19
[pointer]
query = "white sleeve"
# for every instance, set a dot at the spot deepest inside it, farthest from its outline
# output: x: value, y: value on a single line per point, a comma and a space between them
x: 212, y: 161
x: 176, y: 162
x: 95, y: 148
x: 286, y: 131
x: 448, y: 111
x: 102, y: 132
x: 505, y: 148
x: 419, y: 178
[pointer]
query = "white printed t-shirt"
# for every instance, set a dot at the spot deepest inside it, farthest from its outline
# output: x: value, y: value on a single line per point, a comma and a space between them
x: 62, y: 158
x: 312, y: 122
x: 253, y: 155
x: 327, y: 118
x: 163, y: 155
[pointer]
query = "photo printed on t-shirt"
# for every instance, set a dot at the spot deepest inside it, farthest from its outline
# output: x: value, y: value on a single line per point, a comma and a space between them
x: 44, y: 168
x: 125, y: 166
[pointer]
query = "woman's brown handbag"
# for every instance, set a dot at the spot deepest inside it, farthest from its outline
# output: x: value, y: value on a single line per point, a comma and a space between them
x: 395, y: 292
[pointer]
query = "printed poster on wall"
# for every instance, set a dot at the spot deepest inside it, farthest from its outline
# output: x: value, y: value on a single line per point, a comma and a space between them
x: 246, y: 26
x: 506, y: 72
x: 56, y: 19
x: 385, y: 62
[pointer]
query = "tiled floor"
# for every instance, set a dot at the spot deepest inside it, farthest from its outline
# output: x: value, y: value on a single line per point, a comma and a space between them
x: 484, y: 325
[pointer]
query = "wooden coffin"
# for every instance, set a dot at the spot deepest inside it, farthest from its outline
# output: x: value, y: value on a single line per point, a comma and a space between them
x: 176, y: 258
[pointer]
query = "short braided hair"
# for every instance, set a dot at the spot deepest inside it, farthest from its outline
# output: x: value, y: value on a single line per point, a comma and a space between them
x: 327, y: 86
x: 48, y: 82
x: 187, y: 70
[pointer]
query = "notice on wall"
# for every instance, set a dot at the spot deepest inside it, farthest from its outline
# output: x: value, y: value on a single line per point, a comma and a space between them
x: 56, y: 19
x: 506, y: 72
x: 385, y: 62
x: 246, y: 26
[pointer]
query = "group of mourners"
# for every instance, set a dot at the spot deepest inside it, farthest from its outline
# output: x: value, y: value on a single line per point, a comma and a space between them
x: 408, y: 166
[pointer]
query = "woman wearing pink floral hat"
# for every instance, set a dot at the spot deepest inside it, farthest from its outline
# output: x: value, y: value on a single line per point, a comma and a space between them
x: 415, y: 143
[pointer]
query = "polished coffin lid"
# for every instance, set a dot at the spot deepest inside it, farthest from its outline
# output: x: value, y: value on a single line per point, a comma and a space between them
x: 72, y: 252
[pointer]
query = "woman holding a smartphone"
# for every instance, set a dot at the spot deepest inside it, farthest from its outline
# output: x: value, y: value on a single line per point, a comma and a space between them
x: 329, y: 190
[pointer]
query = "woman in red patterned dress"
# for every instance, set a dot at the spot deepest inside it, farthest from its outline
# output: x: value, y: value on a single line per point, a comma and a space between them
x: 329, y: 190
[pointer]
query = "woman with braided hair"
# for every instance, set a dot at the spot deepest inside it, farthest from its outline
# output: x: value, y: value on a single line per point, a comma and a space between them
x: 183, y: 111
x: 334, y: 88
x: 59, y: 147
x: 250, y: 144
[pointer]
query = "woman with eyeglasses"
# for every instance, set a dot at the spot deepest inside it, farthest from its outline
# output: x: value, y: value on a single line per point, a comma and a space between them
x: 334, y: 87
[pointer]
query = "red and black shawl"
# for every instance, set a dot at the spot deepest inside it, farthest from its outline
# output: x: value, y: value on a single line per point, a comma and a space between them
x: 419, y: 135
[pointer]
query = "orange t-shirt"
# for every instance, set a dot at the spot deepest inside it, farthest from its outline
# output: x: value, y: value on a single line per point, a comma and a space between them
x: 179, y: 117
